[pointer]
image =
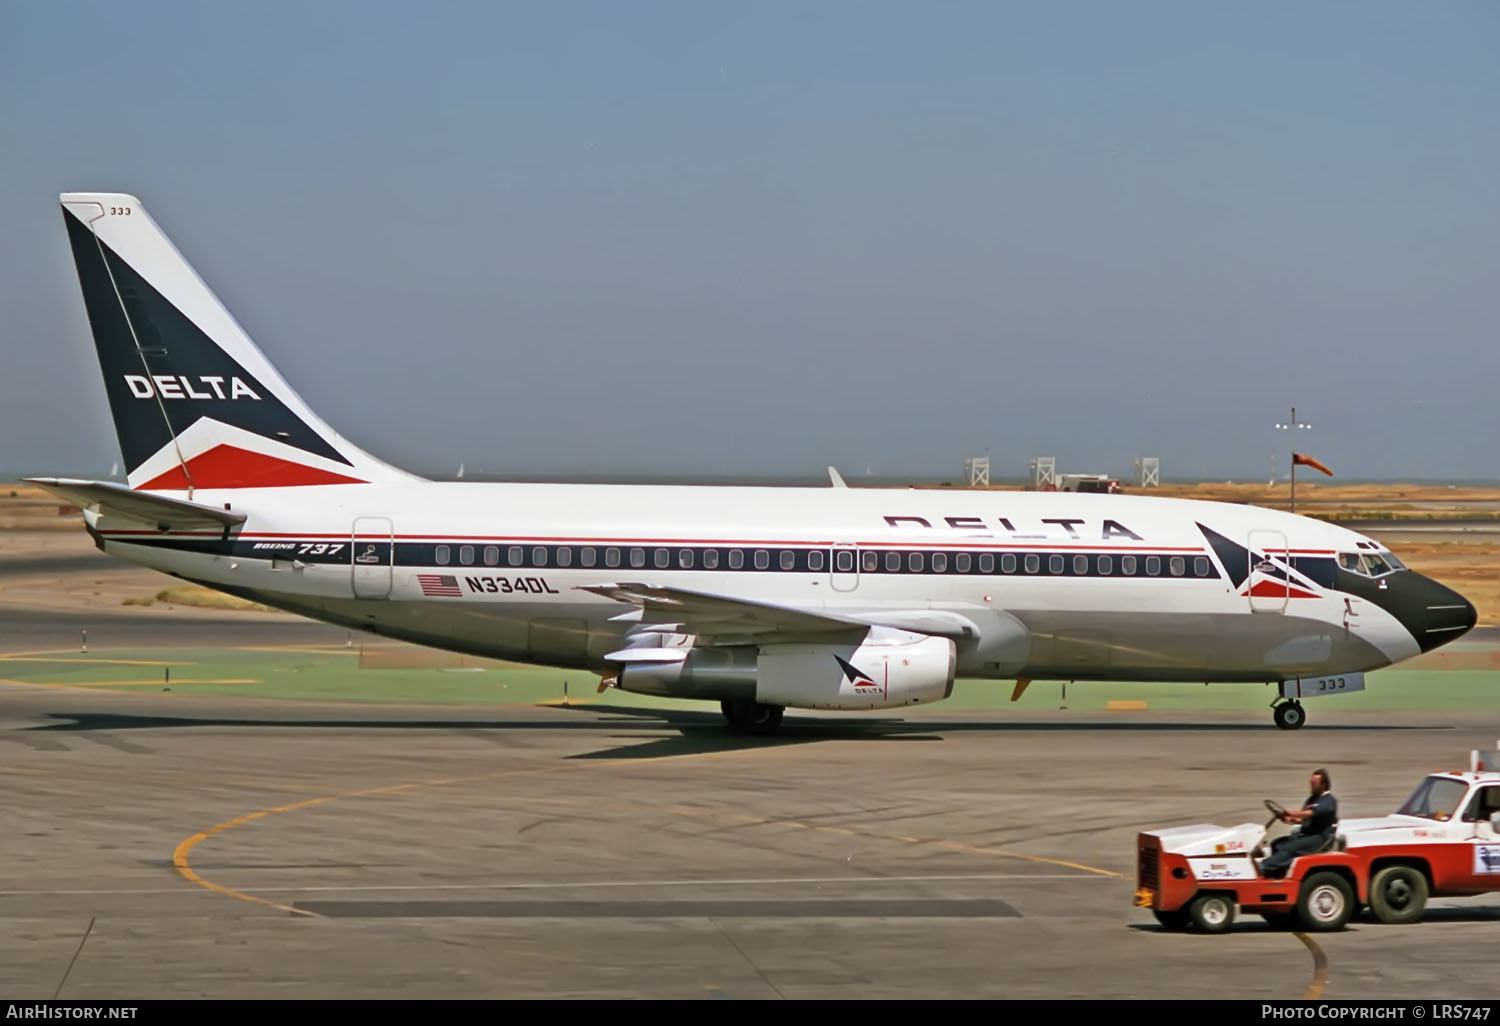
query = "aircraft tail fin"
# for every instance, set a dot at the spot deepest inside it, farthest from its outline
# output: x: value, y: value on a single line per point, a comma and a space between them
x: 196, y: 404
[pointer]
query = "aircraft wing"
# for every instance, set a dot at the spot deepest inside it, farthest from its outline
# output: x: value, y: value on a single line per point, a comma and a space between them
x: 703, y: 613
x: 159, y: 511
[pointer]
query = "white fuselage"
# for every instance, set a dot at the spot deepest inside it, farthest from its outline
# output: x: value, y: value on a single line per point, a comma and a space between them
x: 1057, y: 585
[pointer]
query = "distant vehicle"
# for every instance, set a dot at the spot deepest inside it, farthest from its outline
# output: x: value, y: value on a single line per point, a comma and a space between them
x: 1099, y: 483
x: 759, y: 599
x: 1443, y: 841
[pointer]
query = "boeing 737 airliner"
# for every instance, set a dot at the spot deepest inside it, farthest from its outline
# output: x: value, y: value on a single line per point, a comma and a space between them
x: 757, y: 598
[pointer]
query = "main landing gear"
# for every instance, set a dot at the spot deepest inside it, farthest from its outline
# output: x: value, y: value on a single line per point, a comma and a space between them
x: 752, y: 717
x: 1289, y: 715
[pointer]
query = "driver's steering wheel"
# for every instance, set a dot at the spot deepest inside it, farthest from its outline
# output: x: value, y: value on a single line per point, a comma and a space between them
x: 1276, y: 810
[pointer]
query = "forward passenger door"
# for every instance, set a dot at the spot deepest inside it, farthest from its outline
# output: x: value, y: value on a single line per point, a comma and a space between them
x: 1268, y: 586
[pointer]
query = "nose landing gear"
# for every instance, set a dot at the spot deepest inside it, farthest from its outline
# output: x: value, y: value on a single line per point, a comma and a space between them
x: 1289, y: 715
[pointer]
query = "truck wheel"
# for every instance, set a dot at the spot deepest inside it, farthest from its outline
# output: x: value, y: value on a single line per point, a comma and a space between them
x: 1177, y: 919
x: 1212, y: 913
x: 1398, y: 894
x: 1326, y: 902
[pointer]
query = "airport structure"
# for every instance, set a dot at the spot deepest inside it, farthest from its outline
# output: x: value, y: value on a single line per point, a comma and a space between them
x: 1043, y: 473
x: 977, y: 471
x: 1148, y: 471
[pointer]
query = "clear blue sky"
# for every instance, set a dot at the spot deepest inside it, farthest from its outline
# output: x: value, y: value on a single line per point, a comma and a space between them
x: 759, y: 238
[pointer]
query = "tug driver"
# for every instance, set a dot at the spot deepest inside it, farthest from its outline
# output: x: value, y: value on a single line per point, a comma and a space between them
x: 1318, y: 817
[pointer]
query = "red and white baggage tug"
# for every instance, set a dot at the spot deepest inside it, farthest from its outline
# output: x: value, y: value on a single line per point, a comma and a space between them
x: 1444, y: 841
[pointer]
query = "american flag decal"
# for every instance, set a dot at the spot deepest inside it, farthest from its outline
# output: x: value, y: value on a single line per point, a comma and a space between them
x: 439, y: 584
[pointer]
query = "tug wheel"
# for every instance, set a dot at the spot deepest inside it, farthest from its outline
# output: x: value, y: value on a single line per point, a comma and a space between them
x: 1212, y: 913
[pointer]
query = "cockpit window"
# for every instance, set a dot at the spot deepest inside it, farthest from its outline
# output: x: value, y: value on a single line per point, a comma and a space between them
x: 1370, y: 564
x: 1435, y: 798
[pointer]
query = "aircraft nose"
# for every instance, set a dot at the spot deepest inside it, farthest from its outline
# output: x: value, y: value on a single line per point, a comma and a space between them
x: 1434, y: 613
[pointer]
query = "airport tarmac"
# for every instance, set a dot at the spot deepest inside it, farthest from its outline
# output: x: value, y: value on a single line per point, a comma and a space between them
x: 192, y: 845
x: 163, y: 846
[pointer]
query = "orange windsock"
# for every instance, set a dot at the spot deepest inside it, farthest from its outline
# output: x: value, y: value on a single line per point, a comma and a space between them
x: 1308, y: 461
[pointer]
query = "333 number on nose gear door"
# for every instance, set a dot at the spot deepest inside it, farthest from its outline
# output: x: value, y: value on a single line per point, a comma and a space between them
x: 1311, y: 687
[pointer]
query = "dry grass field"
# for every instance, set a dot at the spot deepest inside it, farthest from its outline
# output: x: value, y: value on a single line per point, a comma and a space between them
x: 1417, y: 502
x: 1424, y: 502
x: 26, y: 508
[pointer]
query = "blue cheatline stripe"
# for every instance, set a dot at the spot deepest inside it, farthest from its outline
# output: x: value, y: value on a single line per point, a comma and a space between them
x: 878, y: 561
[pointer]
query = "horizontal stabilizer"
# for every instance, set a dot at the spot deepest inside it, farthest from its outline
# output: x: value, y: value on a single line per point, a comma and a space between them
x: 159, y: 511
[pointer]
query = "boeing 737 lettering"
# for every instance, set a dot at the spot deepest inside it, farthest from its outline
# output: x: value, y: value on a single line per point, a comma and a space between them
x: 761, y: 599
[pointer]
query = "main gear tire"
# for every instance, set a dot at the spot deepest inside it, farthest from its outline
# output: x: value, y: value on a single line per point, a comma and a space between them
x: 752, y: 717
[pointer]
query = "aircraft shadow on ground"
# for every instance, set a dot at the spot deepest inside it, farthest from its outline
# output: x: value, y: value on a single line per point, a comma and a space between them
x: 698, y: 732
x: 657, y: 733
x: 1365, y: 922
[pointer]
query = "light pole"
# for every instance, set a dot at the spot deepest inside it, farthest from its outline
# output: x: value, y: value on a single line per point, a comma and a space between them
x: 1293, y: 425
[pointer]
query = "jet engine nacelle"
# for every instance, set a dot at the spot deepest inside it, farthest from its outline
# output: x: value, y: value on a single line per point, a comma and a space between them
x: 891, y: 668
x: 687, y: 672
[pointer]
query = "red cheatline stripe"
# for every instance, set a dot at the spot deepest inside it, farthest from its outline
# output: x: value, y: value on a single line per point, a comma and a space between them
x: 228, y: 466
x: 1105, y: 549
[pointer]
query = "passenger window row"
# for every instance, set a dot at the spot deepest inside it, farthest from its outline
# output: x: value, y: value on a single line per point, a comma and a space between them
x: 871, y: 561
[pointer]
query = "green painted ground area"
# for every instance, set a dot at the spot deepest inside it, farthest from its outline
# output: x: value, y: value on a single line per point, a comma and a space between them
x: 298, y: 676
x: 337, y: 676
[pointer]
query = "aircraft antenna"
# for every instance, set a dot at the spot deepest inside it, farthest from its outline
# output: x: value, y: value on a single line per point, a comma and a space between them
x: 141, y: 352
